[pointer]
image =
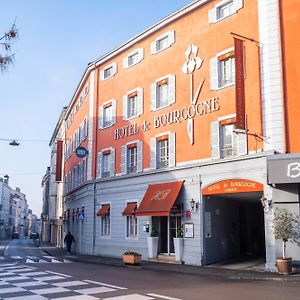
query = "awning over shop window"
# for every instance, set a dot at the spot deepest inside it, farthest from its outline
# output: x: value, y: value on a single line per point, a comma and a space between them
x: 159, y: 199
x: 129, y: 209
x: 103, y: 211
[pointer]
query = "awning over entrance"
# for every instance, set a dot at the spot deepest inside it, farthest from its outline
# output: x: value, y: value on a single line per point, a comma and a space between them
x: 103, y: 211
x: 233, y: 186
x: 129, y: 209
x: 159, y: 199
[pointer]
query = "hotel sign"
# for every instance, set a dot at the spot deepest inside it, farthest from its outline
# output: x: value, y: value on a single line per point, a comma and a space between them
x: 232, y: 186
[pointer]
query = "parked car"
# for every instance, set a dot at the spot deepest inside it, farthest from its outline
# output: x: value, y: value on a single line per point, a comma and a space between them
x: 34, y: 235
x: 15, y: 235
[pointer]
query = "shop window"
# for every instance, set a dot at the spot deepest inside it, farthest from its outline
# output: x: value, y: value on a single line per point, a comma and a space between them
x: 222, y: 70
x: 133, y: 104
x: 107, y: 116
x: 131, y: 161
x: 163, y: 92
x: 225, y: 142
x: 224, y: 9
x: 133, y: 58
x: 163, y: 151
x: 109, y: 71
x: 106, y: 163
x: 163, y: 42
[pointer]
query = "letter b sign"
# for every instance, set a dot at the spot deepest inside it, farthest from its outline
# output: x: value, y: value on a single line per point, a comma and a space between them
x: 293, y: 170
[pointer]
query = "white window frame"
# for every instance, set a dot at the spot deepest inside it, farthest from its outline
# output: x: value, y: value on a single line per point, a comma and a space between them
x: 140, y: 56
x: 125, y: 160
x: 129, y: 161
x: 171, y: 92
x: 127, y: 218
x: 111, y: 162
x: 113, y: 67
x: 162, y: 145
x: 170, y: 40
x: 215, y: 71
x: 213, y: 14
x: 101, y: 119
x: 102, y: 220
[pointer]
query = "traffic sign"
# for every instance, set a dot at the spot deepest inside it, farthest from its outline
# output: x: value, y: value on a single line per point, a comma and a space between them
x: 80, y: 216
x: 81, y: 152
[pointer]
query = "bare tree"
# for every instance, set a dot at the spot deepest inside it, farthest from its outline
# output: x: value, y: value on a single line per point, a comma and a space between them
x: 6, y: 41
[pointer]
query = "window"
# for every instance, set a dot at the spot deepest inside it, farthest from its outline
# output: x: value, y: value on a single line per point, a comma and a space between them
x: 225, y: 142
x: 163, y: 42
x: 131, y: 161
x: 106, y: 163
x: 133, y: 104
x: 133, y: 58
x: 104, y: 212
x: 163, y: 151
x: 224, y: 9
x: 107, y: 114
x: 222, y: 70
x: 108, y: 71
x: 131, y: 226
x: 163, y: 92
x: 226, y: 71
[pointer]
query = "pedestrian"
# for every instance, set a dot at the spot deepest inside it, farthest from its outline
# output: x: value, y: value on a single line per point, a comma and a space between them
x: 69, y: 239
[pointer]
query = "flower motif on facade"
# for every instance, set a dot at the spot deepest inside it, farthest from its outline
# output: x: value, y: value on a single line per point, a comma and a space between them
x: 193, y: 62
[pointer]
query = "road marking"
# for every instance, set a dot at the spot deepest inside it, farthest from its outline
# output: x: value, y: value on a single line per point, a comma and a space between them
x: 30, y: 297
x: 11, y: 290
x: 16, y: 257
x: 105, y: 284
x: 56, y: 273
x: 6, y: 273
x: 31, y: 274
x: 69, y: 283
x: 23, y: 270
x: 129, y: 297
x: 6, y: 265
x: 49, y: 291
x: 49, y: 278
x: 13, y: 278
x: 163, y: 297
x: 79, y: 297
x: 95, y: 290
x: 30, y: 283
x: 29, y: 261
x: 3, y: 283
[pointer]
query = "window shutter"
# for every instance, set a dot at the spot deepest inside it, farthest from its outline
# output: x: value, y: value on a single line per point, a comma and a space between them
x: 153, y: 96
x: 102, y: 75
x: 99, y: 167
x: 153, y: 47
x: 139, y: 156
x: 212, y: 16
x: 238, y: 4
x: 114, y: 68
x: 141, y: 54
x: 213, y: 73
x: 100, y: 120
x: 153, y: 153
x: 86, y: 128
x: 140, y: 101
x: 125, y: 62
x: 172, y: 149
x: 171, y: 37
x: 125, y: 107
x: 215, y: 140
x: 112, y: 162
x: 242, y: 144
x: 124, y: 159
x: 172, y: 89
x: 114, y: 111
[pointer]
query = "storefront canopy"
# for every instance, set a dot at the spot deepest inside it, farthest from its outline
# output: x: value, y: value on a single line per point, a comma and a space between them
x: 129, y: 209
x: 103, y: 211
x: 159, y: 199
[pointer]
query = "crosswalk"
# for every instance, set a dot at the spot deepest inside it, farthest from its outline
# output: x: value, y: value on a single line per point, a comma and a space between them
x: 24, y: 282
x: 35, y: 259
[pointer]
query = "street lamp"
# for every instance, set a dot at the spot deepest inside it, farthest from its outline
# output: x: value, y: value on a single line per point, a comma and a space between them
x: 12, y: 142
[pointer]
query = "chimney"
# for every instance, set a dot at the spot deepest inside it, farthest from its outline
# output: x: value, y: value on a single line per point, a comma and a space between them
x: 6, y: 179
x: 18, y: 189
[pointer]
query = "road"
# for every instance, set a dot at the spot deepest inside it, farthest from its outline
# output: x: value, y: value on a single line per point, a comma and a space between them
x: 26, y: 272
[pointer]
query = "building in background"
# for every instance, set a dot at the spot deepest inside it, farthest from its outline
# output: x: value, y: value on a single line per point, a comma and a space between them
x: 175, y: 129
x: 45, y: 222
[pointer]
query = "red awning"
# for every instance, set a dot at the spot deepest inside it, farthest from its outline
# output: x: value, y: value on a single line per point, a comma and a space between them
x: 159, y: 199
x: 129, y: 209
x: 103, y: 211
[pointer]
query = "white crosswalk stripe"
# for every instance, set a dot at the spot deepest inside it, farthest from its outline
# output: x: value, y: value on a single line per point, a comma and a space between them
x: 40, y: 285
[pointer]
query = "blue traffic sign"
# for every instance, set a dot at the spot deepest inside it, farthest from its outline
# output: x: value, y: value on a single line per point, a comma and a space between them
x: 80, y: 216
x: 81, y: 152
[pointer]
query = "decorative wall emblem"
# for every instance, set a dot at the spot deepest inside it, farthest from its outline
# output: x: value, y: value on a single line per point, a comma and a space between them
x: 193, y: 63
x: 161, y: 195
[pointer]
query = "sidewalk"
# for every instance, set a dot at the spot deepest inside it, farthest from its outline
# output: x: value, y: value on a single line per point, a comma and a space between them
x: 165, y: 267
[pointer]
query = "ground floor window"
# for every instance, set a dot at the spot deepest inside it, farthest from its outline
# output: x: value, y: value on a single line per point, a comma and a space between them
x: 105, y: 225
x: 131, y: 226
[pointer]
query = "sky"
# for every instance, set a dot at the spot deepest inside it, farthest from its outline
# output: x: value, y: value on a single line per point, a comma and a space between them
x: 57, y: 39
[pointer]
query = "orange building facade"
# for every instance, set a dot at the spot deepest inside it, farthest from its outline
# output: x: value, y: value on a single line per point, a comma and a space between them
x: 171, y: 133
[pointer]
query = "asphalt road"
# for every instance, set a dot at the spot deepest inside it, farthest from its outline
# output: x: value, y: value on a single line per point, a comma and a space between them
x: 23, y: 279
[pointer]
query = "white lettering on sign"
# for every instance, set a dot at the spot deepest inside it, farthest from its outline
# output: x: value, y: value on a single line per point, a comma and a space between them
x: 293, y: 170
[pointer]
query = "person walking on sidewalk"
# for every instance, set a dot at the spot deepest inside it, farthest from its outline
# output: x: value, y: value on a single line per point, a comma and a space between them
x: 69, y: 239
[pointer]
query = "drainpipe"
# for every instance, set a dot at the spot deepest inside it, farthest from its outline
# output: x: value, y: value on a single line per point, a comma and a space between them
x: 94, y: 219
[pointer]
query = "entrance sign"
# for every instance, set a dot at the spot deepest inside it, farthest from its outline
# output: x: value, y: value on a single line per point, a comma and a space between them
x: 233, y: 186
x: 81, y: 152
x: 189, y: 230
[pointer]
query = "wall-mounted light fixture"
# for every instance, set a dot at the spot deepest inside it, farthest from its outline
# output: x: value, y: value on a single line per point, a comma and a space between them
x: 194, y: 205
x: 266, y: 203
